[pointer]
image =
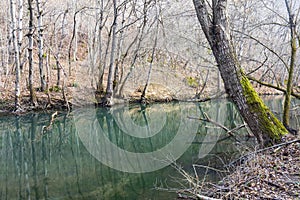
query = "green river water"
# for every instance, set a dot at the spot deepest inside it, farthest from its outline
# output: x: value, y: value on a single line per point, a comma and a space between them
x: 120, y: 153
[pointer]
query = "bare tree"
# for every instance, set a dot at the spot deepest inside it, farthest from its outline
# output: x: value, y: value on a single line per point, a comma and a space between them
x: 289, y: 86
x: 109, y: 87
x: 116, y: 81
x: 143, y: 96
x: 16, y: 52
x: 59, y: 48
x: 30, y: 54
x: 276, y: 67
x: 20, y: 30
x: 214, y: 23
x: 102, y: 58
x: 74, y: 37
x: 41, y: 44
x: 138, y: 39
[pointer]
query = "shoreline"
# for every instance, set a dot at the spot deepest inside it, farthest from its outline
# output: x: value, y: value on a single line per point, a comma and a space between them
x: 58, y: 104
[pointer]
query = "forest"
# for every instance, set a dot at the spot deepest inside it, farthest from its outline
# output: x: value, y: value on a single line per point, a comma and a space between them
x: 73, y: 53
x: 122, y: 49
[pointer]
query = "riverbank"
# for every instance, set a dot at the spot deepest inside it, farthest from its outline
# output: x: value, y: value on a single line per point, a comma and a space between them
x: 80, y: 96
x: 271, y: 173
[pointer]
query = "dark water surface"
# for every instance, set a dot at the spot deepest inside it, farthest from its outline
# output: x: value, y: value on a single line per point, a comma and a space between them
x: 118, y: 153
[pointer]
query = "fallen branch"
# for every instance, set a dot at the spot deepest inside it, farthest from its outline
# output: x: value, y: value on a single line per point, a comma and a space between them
x: 228, y: 131
x: 265, y: 149
x: 205, y: 197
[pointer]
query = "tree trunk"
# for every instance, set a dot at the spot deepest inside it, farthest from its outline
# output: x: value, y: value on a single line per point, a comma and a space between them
x: 102, y: 63
x: 109, y: 88
x: 41, y: 45
x: 60, y: 48
x: 48, y: 77
x: 143, y: 96
x: 289, y: 86
x: 119, y: 52
x: 73, y: 38
x: 262, y: 122
x: 20, y: 31
x: 139, y: 39
x: 30, y: 56
x: 16, y: 54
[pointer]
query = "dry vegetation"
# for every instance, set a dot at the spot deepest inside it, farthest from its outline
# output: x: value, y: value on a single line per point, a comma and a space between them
x: 271, y: 173
x: 183, y: 65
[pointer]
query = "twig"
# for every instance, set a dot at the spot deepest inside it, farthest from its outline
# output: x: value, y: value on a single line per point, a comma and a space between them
x: 274, y: 185
x: 205, y: 197
x: 228, y: 131
x: 211, y: 168
x: 265, y: 149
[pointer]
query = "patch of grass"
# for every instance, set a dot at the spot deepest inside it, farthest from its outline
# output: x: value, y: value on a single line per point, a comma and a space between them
x: 74, y: 84
x: 55, y: 88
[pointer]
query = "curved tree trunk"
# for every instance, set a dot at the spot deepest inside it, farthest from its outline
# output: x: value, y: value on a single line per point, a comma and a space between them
x: 264, y: 125
x: 289, y: 86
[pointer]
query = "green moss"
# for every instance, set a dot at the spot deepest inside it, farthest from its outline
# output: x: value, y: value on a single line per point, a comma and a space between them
x: 192, y: 82
x: 270, y: 124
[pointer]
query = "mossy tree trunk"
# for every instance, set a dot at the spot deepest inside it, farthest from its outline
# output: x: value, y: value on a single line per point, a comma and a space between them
x: 263, y: 124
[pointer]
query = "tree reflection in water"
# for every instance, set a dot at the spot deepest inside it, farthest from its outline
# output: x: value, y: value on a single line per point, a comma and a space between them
x: 49, y: 164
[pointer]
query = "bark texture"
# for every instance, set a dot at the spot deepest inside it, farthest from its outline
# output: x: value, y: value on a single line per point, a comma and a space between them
x: 33, y: 100
x: 41, y: 44
x: 264, y: 125
x: 109, y: 88
x: 16, y: 55
x: 289, y: 86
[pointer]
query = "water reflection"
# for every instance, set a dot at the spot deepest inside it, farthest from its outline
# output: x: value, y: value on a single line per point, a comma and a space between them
x: 55, y: 164
x: 170, y: 133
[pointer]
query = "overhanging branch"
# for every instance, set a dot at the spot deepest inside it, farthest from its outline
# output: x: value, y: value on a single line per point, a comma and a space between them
x: 273, y: 86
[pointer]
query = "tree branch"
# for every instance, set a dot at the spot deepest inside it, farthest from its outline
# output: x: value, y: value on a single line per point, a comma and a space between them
x: 273, y: 86
x: 262, y: 44
x: 228, y: 131
x: 204, y: 18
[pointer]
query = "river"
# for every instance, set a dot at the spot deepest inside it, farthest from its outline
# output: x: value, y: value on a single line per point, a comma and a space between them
x: 125, y: 152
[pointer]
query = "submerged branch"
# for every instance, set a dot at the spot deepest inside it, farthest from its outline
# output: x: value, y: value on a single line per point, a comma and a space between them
x: 228, y: 131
